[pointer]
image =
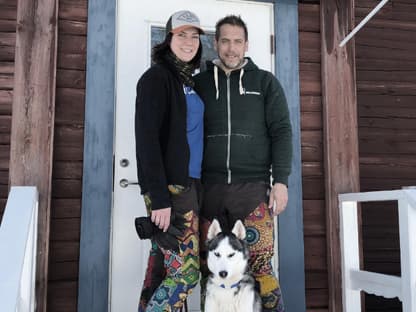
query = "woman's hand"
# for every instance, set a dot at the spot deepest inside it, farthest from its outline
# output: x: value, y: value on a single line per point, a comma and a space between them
x: 161, y: 218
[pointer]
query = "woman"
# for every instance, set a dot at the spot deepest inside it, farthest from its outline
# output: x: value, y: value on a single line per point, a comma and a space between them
x: 169, y: 142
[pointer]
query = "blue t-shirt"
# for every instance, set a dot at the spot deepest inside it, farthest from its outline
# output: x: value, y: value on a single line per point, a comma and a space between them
x: 195, y: 130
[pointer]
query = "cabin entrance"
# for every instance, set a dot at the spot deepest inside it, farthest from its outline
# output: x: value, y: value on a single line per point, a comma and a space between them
x: 140, y: 25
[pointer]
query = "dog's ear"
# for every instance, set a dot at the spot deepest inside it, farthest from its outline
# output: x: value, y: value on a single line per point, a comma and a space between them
x: 239, y: 230
x: 214, y: 229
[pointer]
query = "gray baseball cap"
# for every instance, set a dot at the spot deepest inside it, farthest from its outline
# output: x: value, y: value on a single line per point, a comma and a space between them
x: 181, y: 20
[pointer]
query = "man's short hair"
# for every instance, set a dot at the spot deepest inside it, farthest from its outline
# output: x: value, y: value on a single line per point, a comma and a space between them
x: 231, y: 20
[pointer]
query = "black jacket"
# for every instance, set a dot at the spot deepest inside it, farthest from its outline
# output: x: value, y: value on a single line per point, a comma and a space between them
x: 162, y: 149
x: 247, y: 126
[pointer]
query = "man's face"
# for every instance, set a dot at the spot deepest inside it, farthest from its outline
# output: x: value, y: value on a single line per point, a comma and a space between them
x: 231, y: 46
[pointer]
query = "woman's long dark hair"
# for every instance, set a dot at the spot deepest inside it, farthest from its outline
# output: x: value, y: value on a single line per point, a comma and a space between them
x: 160, y: 50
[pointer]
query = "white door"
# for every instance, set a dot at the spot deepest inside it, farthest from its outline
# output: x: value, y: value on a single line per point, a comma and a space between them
x: 139, y: 24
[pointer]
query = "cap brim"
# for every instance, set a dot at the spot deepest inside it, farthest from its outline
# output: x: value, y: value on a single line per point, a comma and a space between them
x: 183, y: 27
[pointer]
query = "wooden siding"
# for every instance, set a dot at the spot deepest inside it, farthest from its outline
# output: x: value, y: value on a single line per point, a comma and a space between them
x: 8, y: 11
x: 386, y: 88
x: 68, y: 142
x: 68, y: 156
x: 316, y: 273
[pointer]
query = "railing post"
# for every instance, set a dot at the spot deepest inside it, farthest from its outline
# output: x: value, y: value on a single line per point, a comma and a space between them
x: 18, y: 242
x: 350, y: 254
x: 407, y: 225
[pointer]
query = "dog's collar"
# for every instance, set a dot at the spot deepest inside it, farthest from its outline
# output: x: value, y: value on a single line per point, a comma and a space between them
x: 232, y: 286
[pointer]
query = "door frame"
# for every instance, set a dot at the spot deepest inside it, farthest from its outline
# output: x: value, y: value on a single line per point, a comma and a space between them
x: 94, y: 262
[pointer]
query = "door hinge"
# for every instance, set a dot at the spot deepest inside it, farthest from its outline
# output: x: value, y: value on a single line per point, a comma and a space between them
x: 272, y: 44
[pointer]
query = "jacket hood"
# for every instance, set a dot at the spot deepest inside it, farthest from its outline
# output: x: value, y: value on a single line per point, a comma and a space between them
x: 249, y: 65
x: 215, y: 65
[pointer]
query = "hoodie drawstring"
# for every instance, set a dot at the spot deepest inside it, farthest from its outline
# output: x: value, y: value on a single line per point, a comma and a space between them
x: 217, y: 94
x: 240, y: 83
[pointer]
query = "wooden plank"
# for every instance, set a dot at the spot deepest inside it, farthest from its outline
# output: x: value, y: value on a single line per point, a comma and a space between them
x: 65, y: 229
x: 8, y: 11
x: 7, y: 53
x: 6, y: 81
x: 312, y: 145
x: 63, y: 296
x: 317, y: 299
x: 316, y: 279
x: 4, y: 160
x: 63, y: 271
x: 309, y: 17
x: 66, y: 208
x: 74, y: 10
x: 291, y: 250
x: 311, y: 121
x: 315, y: 253
x: 72, y: 44
x: 64, y: 251
x: 340, y: 128
x: 310, y: 79
x: 7, y: 25
x: 69, y: 27
x: 310, y: 103
x: 98, y: 162
x: 67, y: 170
x: 71, y: 61
x: 314, y: 217
x: 73, y: 79
x: 309, y: 47
x: 313, y: 188
x: 66, y: 188
x: 33, y: 118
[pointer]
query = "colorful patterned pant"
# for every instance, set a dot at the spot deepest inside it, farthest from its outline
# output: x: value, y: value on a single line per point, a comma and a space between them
x: 171, y: 276
x: 234, y: 202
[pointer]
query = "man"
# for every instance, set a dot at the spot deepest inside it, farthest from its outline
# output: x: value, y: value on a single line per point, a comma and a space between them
x: 247, y: 133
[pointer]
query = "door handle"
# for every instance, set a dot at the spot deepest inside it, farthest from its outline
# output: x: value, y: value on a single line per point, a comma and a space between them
x: 124, y: 183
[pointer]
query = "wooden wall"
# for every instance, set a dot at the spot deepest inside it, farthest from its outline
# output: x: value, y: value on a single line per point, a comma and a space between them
x: 312, y: 158
x: 386, y: 88
x: 68, y: 142
x: 8, y: 13
x: 68, y: 156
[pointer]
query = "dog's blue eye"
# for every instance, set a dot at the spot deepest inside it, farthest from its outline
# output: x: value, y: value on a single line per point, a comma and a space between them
x: 231, y: 255
x: 217, y: 254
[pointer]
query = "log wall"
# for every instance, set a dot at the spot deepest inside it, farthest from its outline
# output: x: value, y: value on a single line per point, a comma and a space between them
x: 386, y: 89
x: 8, y: 11
x: 314, y: 217
x: 68, y: 156
x: 68, y: 142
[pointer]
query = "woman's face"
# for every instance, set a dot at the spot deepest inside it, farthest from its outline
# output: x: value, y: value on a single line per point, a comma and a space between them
x: 185, y: 44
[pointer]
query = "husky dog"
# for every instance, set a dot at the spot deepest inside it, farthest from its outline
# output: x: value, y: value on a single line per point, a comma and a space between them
x: 230, y: 287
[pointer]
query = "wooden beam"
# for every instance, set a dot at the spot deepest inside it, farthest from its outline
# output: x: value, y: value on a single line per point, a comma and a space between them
x: 340, y: 128
x: 33, y: 113
x: 291, y: 246
x: 97, y: 184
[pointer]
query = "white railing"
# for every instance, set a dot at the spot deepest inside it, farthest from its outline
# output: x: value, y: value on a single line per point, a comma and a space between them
x: 353, y: 279
x: 18, y: 236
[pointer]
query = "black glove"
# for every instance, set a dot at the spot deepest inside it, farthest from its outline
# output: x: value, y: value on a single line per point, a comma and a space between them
x: 146, y: 229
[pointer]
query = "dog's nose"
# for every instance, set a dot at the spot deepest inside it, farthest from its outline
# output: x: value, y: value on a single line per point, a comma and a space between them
x: 223, y: 274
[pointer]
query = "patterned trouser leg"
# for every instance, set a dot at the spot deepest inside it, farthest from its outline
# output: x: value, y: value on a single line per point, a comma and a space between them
x: 260, y: 237
x: 182, y: 271
x: 155, y: 273
x: 171, y: 276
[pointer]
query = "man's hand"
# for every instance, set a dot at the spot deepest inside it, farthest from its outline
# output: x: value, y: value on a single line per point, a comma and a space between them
x: 161, y: 218
x: 278, y: 198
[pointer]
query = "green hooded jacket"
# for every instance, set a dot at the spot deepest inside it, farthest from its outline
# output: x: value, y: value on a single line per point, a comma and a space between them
x: 247, y: 126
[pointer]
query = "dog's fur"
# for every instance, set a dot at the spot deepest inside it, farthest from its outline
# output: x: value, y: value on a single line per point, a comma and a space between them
x: 230, y: 287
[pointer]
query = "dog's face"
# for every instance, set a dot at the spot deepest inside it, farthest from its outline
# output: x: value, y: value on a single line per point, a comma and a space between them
x: 227, y: 253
